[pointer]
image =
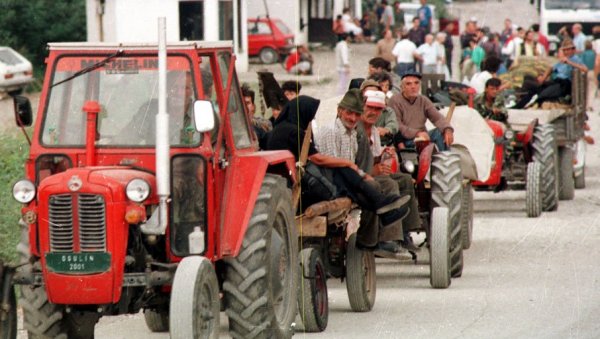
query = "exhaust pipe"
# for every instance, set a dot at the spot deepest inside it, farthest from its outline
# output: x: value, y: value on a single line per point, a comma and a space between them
x: 157, y: 224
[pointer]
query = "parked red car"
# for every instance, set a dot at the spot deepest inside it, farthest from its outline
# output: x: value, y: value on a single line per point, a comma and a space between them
x: 269, y: 39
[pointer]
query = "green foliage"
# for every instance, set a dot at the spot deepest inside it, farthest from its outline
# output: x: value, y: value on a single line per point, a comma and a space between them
x: 13, y: 152
x: 27, y: 26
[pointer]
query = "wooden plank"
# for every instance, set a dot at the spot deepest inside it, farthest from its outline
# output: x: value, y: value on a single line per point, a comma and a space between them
x: 311, y: 227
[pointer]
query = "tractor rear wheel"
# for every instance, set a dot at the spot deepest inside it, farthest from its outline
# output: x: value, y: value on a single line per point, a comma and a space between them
x: 361, y: 281
x: 567, y: 182
x: 545, y: 152
x: 8, y: 318
x: 446, y: 191
x: 466, y: 216
x: 533, y: 190
x: 156, y: 321
x: 312, y: 299
x: 439, y: 244
x: 43, y: 319
x: 262, y: 281
x: 195, y: 306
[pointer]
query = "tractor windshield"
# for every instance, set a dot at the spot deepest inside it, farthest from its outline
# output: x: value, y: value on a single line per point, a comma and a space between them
x: 127, y: 90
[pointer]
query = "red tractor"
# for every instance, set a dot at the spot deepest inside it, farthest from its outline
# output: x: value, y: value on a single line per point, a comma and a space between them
x: 126, y: 210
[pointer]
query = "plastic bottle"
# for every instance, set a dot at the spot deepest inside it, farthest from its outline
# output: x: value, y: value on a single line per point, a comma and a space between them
x: 196, y: 241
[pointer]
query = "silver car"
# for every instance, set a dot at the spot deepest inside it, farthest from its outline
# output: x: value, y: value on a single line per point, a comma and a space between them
x: 15, y: 71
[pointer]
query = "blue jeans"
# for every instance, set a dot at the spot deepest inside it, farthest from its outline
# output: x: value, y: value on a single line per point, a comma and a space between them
x: 435, y: 135
x: 404, y: 67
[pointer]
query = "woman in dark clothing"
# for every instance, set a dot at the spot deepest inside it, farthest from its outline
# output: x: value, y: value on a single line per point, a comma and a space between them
x: 288, y: 134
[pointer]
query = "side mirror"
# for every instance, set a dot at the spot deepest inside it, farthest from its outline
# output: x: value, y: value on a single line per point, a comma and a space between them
x: 204, y: 116
x: 23, y: 115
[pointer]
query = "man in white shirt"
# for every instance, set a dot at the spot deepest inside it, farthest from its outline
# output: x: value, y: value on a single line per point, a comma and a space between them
x: 512, y: 47
x: 342, y: 57
x: 428, y: 53
x: 578, y: 38
x: 405, y: 53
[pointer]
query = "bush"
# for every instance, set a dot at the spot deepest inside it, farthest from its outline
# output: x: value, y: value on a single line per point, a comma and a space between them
x: 13, y: 152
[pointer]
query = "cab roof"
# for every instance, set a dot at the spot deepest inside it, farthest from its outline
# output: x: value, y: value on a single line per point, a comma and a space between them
x: 138, y: 46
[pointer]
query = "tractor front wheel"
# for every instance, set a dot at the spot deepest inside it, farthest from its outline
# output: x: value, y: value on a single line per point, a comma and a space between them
x: 195, y: 307
x: 262, y: 281
x: 533, y: 190
x: 156, y: 321
x: 439, y: 248
x: 466, y: 216
x: 567, y: 181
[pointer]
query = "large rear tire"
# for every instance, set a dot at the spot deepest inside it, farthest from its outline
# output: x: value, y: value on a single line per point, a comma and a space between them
x: 439, y: 244
x: 533, y: 190
x: 466, y: 216
x: 545, y: 152
x: 8, y: 318
x: 43, y: 319
x: 262, y: 281
x: 567, y: 181
x: 446, y: 191
x: 312, y: 299
x: 195, y: 306
x: 361, y: 280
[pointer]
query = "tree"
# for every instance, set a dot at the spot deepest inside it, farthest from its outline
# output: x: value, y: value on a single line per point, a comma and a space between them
x: 27, y: 26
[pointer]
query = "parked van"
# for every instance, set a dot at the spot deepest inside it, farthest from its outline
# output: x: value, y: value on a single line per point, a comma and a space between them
x: 15, y: 71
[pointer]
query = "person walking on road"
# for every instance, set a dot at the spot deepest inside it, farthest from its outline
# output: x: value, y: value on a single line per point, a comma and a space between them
x: 428, y: 54
x: 405, y: 52
x: 342, y: 57
x: 425, y: 17
x: 385, y: 46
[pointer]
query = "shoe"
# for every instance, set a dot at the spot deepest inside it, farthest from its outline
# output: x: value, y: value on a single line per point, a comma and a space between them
x: 408, y: 244
x: 390, y: 218
x: 392, y: 202
x: 532, y: 101
x: 391, y: 250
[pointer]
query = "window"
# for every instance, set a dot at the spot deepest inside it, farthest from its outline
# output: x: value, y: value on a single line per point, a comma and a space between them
x: 237, y: 116
x: 191, y: 14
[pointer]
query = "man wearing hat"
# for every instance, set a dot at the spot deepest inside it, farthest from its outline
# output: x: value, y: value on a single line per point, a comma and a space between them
x: 412, y: 112
x: 341, y: 141
x: 556, y: 81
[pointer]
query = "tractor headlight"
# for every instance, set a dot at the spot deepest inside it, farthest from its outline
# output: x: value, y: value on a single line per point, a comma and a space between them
x: 24, y: 191
x: 509, y: 134
x: 138, y: 190
x: 409, y: 166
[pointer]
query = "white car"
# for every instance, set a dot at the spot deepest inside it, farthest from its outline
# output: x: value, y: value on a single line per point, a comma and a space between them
x: 15, y: 71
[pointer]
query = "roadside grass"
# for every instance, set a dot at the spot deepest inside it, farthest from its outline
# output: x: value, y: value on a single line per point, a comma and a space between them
x: 13, y: 152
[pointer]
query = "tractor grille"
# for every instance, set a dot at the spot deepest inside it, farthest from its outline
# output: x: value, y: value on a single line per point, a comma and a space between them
x: 91, y: 223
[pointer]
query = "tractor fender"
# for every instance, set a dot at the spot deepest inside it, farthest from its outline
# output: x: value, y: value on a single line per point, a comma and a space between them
x: 425, y: 162
x: 243, y: 181
x: 528, y: 135
x: 497, y: 128
x: 467, y: 164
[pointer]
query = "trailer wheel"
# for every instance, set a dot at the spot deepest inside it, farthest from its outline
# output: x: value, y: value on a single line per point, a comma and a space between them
x: 466, y: 216
x: 361, y: 281
x: 533, y: 190
x: 567, y: 182
x: 262, y: 281
x: 156, y: 321
x: 446, y: 191
x: 439, y: 248
x: 312, y: 299
x: 43, y: 319
x: 545, y: 152
x: 580, y: 180
x: 268, y: 56
x: 195, y: 307
x: 8, y: 318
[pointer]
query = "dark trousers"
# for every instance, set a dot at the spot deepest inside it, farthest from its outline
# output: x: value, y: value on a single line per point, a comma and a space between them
x: 350, y: 184
x: 404, y: 67
x: 434, y: 135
